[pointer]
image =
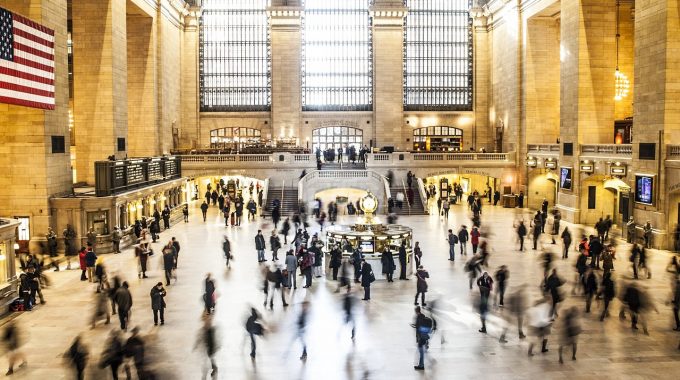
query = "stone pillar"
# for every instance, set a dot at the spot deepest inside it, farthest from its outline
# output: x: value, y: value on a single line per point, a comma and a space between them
x: 388, y: 75
x: 588, y: 35
x: 31, y: 173
x: 656, y: 110
x: 286, y: 46
x: 100, y: 82
x: 190, y: 134
x: 141, y: 86
x: 483, y: 134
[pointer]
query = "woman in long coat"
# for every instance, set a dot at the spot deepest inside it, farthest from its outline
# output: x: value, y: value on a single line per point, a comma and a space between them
x: 388, y: 266
x: 421, y: 285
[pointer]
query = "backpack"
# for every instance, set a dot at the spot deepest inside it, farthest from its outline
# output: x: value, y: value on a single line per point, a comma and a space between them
x: 427, y: 326
x: 453, y: 240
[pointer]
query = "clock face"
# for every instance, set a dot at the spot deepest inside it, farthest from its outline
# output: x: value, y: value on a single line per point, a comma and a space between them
x: 369, y: 204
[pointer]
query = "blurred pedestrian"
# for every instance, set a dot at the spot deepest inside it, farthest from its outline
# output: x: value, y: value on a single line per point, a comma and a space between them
x: 77, y: 354
x: 348, y: 302
x: 208, y: 341
x: 209, y: 294
x: 590, y: 287
x: 566, y: 242
x: 226, y: 249
x: 302, y: 322
x: 417, y: 254
x: 254, y: 328
x: 123, y: 299
x: 142, y: 254
x: 112, y: 355
x: 135, y: 350
x: 403, y: 257
x: 168, y: 262
x: 502, y: 275
x: 158, y: 302
x: 335, y: 261
x: 608, y: 291
x: 13, y: 341
x: 485, y: 284
x: 540, y: 320
x: 424, y: 326
x: 552, y: 286
x: 570, y: 331
x: 521, y: 233
x: 101, y: 308
x: 517, y: 307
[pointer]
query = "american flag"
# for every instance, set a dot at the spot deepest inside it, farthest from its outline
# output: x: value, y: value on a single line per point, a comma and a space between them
x: 26, y: 62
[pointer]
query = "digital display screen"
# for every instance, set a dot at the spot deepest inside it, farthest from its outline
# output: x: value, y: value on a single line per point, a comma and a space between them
x: 565, y: 178
x: 644, y: 189
x: 367, y: 246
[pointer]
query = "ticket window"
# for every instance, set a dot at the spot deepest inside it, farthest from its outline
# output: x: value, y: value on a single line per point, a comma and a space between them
x: 99, y: 220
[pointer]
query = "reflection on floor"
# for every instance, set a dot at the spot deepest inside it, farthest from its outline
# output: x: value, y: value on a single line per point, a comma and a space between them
x: 385, y: 345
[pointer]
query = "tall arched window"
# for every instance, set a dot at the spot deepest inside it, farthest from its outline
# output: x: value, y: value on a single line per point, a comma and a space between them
x: 337, y: 65
x: 438, y: 55
x: 234, y: 56
x: 336, y: 137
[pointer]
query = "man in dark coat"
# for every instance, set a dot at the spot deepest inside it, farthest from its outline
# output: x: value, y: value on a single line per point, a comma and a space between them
x: 402, y: 261
x: 421, y: 285
x: 176, y: 245
x: 166, y: 217
x: 123, y: 299
x: 388, y: 266
x: 209, y: 295
x: 204, y: 210
x: 168, y: 261
x: 367, y: 277
x: 158, y: 303
x: 595, y: 249
x: 260, y: 246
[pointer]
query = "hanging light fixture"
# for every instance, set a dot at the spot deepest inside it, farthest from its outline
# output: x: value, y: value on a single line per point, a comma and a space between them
x: 621, y: 82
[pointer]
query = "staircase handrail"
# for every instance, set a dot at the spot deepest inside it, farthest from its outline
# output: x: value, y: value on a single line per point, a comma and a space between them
x: 408, y: 203
x: 423, y: 195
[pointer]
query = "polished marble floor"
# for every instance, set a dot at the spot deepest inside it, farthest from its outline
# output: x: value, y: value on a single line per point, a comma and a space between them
x: 385, y: 347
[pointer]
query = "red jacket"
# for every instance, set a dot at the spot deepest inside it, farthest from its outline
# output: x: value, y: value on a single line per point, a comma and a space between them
x: 81, y: 255
x: 474, y: 240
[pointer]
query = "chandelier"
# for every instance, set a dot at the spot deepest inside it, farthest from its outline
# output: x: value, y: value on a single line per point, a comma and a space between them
x: 621, y: 82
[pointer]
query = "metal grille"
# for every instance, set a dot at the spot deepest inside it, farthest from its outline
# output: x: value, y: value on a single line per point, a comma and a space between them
x: 337, y: 56
x: 438, y: 55
x: 235, y: 56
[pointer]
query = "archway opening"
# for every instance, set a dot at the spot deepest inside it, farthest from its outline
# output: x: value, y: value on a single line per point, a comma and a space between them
x: 542, y: 185
x: 337, y: 137
x: 342, y: 197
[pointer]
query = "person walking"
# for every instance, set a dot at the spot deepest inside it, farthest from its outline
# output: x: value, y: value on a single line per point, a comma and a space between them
x: 175, y: 244
x: 517, y: 308
x: 185, y: 213
x: 647, y: 234
x: 226, y: 249
x: 485, y: 284
x: 402, y: 261
x: 463, y: 237
x: 302, y: 322
x: 204, y: 210
x: 254, y: 328
x: 101, y: 308
x: 142, y: 255
x: 388, y: 266
x: 540, y: 321
x: 367, y: 277
x: 452, y: 239
x: 521, y: 233
x: 274, y: 245
x: 502, y: 275
x: 417, y: 254
x: 566, y: 242
x: 570, y: 331
x: 421, y: 285
x: 77, y: 354
x: 608, y: 291
x: 536, y: 230
x: 676, y: 303
x: 306, y: 267
x: 552, y: 285
x: 424, y: 326
x: 168, y: 262
x: 209, y: 294
x: 260, y: 246
x: 12, y: 339
x: 112, y: 355
x: 123, y: 299
x: 590, y: 287
x: 158, y: 303
x: 208, y: 341
x: 474, y: 239
x: 445, y: 208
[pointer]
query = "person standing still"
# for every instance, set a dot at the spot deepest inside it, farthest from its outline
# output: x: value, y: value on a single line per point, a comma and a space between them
x: 367, y: 277
x: 260, y: 246
x: 402, y: 261
x: 485, y: 284
x: 90, y: 262
x: 463, y: 237
x: 452, y: 240
x: 123, y: 299
x: 291, y: 267
x: 204, y: 210
x: 502, y: 276
x: 421, y: 285
x: 168, y: 262
x: 116, y: 236
x: 388, y: 267
x: 158, y: 303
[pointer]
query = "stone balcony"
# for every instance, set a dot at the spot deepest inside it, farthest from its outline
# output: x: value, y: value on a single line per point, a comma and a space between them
x: 607, y: 151
x: 471, y: 159
x: 544, y: 150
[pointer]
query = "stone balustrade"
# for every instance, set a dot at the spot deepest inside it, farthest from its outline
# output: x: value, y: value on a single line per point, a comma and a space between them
x: 617, y: 151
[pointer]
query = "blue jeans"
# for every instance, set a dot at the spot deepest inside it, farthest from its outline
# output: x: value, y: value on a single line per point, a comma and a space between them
x: 463, y: 248
x: 452, y: 251
x: 260, y: 255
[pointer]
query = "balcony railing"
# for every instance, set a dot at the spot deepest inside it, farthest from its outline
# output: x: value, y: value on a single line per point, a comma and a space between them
x: 553, y: 149
x: 608, y: 150
x: 406, y: 158
x: 673, y: 152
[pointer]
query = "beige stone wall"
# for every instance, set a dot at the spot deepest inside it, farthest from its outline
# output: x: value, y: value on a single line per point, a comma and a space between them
x: 30, y: 172
x: 190, y: 131
x: 100, y: 81
x: 143, y: 135
x: 624, y: 107
x: 484, y: 133
x: 388, y: 82
x: 286, y: 45
x: 169, y: 75
x: 541, y: 85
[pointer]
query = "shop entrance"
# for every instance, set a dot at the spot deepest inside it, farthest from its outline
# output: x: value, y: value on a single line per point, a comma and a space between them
x: 342, y: 197
x: 438, y: 186
x: 600, y: 197
x: 542, y: 185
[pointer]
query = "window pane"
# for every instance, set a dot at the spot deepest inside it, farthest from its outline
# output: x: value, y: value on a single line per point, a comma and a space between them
x: 438, y: 55
x: 336, y: 55
x: 234, y: 56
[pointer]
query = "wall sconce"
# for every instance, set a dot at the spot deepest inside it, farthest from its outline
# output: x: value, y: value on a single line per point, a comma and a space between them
x: 532, y: 162
x: 587, y: 166
x: 618, y: 169
x: 550, y: 163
